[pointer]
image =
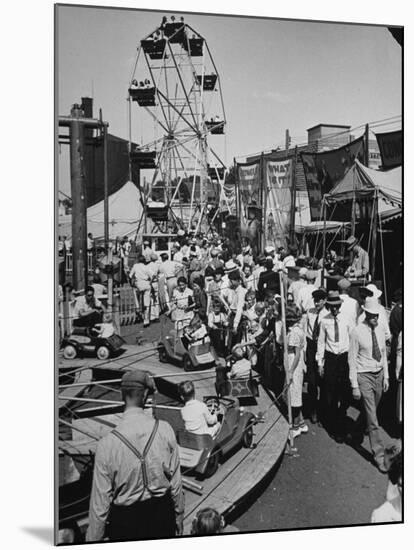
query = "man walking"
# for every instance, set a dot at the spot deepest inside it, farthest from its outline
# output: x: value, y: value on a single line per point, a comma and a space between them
x: 368, y: 373
x: 313, y: 320
x: 332, y: 358
x: 137, y: 484
x: 141, y: 278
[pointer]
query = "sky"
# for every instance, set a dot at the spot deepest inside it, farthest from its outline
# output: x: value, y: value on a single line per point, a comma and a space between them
x: 275, y: 74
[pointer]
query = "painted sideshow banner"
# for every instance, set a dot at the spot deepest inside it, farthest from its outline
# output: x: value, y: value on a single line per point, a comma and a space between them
x: 390, y: 146
x: 250, y: 202
x: 324, y: 170
x: 278, y: 201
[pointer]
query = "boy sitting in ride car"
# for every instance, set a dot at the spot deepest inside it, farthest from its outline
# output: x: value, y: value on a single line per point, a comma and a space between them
x: 197, y: 418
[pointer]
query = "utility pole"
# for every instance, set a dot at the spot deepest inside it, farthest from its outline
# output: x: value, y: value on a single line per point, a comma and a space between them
x: 288, y: 141
x: 78, y: 194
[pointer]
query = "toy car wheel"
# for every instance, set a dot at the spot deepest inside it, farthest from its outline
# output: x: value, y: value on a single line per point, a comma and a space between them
x: 247, y: 438
x: 212, y: 464
x: 162, y: 354
x: 69, y: 352
x: 102, y: 352
x: 187, y: 363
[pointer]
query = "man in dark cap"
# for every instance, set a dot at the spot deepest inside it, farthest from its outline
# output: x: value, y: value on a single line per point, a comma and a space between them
x: 137, y: 488
x: 313, y: 320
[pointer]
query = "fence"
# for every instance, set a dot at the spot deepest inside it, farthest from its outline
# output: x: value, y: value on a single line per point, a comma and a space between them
x: 124, y: 309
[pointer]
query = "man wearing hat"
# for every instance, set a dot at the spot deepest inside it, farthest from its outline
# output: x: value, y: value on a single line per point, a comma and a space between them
x: 360, y: 260
x: 371, y: 291
x: 137, y: 486
x: 313, y: 320
x: 146, y: 250
x: 332, y: 358
x: 235, y: 297
x: 141, y: 277
x: 349, y: 306
x: 305, y: 299
x: 169, y: 269
x: 368, y: 372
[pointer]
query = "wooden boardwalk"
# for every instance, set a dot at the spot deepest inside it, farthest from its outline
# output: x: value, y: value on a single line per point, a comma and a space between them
x: 237, y: 475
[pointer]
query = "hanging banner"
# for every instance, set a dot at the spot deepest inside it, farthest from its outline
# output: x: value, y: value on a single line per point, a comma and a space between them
x: 390, y: 146
x: 278, y: 201
x: 324, y: 170
x: 250, y: 202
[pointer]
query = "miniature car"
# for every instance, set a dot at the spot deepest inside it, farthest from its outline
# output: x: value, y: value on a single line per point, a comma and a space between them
x: 202, y: 453
x: 176, y: 347
x: 82, y: 340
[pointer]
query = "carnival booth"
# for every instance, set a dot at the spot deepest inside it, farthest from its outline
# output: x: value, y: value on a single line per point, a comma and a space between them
x: 372, y: 200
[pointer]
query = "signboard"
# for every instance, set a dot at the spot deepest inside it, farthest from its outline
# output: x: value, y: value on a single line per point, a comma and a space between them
x: 390, y: 146
x: 324, y: 170
x: 278, y: 201
x: 250, y: 202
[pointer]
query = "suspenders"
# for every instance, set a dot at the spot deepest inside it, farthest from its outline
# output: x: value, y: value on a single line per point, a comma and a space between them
x: 141, y: 457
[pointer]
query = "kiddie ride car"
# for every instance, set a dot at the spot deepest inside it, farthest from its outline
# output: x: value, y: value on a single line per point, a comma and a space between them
x: 192, y: 349
x: 85, y: 340
x: 201, y: 454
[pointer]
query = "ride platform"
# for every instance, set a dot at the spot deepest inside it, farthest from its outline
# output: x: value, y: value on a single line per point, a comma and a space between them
x: 238, y: 474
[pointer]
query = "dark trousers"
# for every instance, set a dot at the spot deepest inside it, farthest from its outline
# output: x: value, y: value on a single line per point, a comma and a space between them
x: 336, y: 391
x: 148, y: 519
x: 313, y: 379
x: 89, y: 320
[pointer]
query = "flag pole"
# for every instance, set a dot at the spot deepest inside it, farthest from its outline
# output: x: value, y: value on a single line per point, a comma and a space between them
x: 285, y: 355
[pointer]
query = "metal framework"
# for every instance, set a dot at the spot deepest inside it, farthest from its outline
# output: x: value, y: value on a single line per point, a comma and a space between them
x: 183, y: 106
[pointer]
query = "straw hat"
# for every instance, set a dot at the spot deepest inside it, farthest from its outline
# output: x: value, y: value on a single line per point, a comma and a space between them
x: 371, y: 306
x: 333, y: 298
x: 376, y: 292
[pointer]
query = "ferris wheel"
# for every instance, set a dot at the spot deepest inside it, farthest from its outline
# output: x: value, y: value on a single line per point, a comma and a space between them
x: 177, y: 88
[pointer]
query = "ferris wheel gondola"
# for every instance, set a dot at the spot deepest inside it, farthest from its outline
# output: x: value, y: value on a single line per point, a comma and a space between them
x: 176, y: 83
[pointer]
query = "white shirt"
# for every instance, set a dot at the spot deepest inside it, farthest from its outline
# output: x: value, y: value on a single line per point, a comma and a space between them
x: 360, y: 352
x: 197, y: 418
x: 241, y: 369
x: 349, y: 307
x: 295, y: 287
x: 305, y: 299
x: 289, y: 261
x: 142, y: 276
x: 382, y: 321
x: 310, y: 320
x: 237, y: 303
x: 168, y: 268
x: 326, y: 340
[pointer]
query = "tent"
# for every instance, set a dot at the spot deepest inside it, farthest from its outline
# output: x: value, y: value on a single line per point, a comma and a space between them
x: 363, y: 183
x: 125, y: 211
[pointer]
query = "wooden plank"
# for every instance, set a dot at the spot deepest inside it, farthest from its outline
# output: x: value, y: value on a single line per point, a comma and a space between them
x: 243, y: 470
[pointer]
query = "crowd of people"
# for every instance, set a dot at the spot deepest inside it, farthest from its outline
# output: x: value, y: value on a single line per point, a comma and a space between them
x: 272, y: 313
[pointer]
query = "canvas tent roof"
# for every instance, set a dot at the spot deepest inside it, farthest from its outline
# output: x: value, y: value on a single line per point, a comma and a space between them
x: 125, y: 210
x: 365, y: 181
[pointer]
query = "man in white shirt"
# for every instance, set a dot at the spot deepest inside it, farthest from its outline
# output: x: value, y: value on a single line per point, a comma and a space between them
x: 236, y: 305
x: 289, y: 259
x: 141, y: 277
x: 146, y: 251
x: 295, y: 286
x: 312, y: 324
x: 88, y: 309
x: 349, y: 306
x: 383, y: 324
x: 332, y: 358
x: 168, y: 268
x: 368, y: 373
x: 305, y: 299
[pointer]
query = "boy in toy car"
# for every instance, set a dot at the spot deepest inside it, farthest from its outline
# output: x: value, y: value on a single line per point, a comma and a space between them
x: 241, y: 366
x: 196, y: 415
